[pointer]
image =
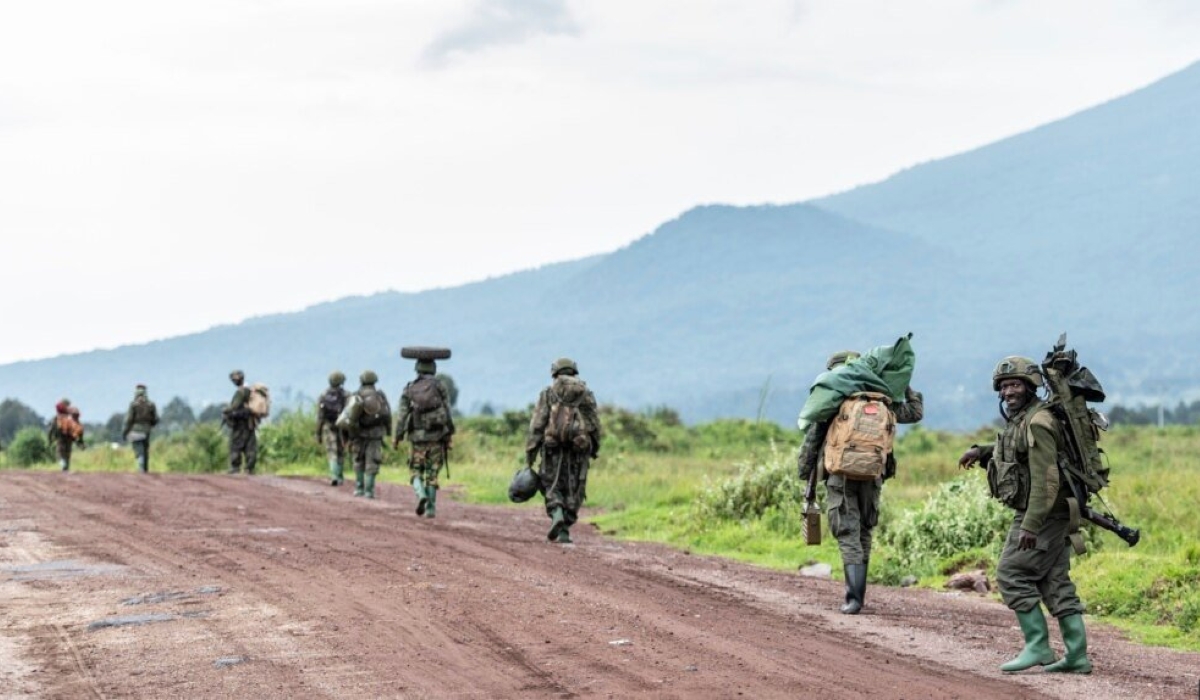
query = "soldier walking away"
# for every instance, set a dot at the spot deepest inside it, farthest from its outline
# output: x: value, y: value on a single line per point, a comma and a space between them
x: 140, y: 419
x: 565, y: 430
x: 243, y: 426
x: 853, y: 503
x: 371, y: 422
x: 425, y: 421
x: 329, y: 407
x: 65, y: 432
x: 1035, y: 564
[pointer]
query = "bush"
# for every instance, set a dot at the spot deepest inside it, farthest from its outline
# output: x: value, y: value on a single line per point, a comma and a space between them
x: 770, y: 490
x: 960, y: 517
x: 29, y: 447
x: 290, y: 439
x: 201, y: 449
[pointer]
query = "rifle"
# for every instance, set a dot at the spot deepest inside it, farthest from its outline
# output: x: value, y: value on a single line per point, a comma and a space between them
x: 445, y: 457
x: 1107, y: 521
x: 812, y: 511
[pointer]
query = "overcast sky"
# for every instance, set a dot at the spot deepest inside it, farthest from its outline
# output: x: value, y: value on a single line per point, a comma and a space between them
x: 167, y: 166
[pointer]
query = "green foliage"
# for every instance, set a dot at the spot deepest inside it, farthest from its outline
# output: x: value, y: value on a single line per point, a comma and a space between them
x: 201, y: 449
x: 28, y: 448
x: 14, y: 416
x: 290, y: 439
x: 758, y: 490
x: 960, y: 516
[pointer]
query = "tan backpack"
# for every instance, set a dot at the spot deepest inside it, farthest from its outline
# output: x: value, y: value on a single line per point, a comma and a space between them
x: 259, y: 402
x: 860, y: 437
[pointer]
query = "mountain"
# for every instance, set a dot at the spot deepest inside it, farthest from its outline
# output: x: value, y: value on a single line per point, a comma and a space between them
x: 1085, y: 225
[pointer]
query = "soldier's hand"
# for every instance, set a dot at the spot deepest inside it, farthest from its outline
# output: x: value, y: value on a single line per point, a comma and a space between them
x: 1026, y: 540
x: 969, y: 458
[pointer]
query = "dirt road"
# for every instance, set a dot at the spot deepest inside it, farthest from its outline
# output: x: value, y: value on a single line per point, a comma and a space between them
x: 171, y: 586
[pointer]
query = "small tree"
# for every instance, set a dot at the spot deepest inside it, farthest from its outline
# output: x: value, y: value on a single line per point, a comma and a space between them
x: 15, y: 415
x: 177, y: 416
x: 29, y: 447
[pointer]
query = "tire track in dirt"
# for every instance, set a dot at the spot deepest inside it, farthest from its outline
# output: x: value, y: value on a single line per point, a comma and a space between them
x: 325, y: 595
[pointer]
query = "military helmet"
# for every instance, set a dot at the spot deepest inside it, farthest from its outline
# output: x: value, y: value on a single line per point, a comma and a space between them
x: 368, y: 377
x: 336, y: 378
x: 237, y: 374
x: 426, y: 367
x: 563, y: 365
x: 1016, y: 367
x: 841, y: 358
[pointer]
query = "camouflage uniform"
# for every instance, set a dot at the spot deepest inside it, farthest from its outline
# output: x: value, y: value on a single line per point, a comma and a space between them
x: 328, y: 434
x: 1035, y: 563
x: 243, y: 425
x: 564, y: 467
x: 429, y: 436
x: 368, y: 434
x: 853, y: 505
x: 140, y: 419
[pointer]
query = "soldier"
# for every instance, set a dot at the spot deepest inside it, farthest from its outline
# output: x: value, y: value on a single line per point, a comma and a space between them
x: 426, y: 422
x: 1035, y: 564
x: 140, y: 419
x: 565, y: 429
x: 65, y: 432
x: 243, y: 438
x: 853, y: 506
x: 329, y: 407
x: 371, y: 421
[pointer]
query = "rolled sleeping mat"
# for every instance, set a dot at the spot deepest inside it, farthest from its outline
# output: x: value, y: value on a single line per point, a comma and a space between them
x: 421, y: 352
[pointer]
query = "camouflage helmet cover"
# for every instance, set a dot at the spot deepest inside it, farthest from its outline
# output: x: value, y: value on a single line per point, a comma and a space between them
x: 1016, y: 367
x: 368, y: 377
x: 563, y: 365
x: 840, y: 358
x: 426, y: 367
x: 237, y: 374
x: 336, y: 378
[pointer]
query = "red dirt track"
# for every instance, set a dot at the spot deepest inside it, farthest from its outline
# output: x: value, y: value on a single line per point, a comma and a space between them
x: 173, y: 586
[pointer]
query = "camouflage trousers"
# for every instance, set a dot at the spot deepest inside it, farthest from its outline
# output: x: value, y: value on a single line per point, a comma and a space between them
x: 426, y: 461
x: 243, y: 444
x: 1041, y: 574
x: 564, y: 482
x: 62, y: 448
x: 335, y: 444
x: 853, y: 508
x: 368, y: 455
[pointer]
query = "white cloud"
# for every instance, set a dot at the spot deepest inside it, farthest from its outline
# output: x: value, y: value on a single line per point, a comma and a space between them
x: 151, y: 152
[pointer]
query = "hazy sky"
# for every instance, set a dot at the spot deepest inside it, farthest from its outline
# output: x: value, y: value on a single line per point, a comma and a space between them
x: 169, y: 166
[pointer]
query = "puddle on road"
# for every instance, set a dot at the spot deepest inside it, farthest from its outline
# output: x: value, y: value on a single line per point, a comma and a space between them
x: 227, y: 661
x: 167, y: 596
x: 63, y: 568
x: 133, y: 620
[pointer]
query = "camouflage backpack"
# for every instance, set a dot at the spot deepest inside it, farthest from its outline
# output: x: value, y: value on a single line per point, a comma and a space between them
x: 429, y: 412
x: 566, y: 426
x: 375, y: 411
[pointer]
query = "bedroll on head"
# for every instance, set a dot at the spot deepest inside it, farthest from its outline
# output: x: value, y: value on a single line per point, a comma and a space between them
x: 422, y: 352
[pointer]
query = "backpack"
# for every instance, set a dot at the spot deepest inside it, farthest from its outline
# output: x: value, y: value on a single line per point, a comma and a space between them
x: 331, y: 404
x: 860, y: 437
x: 375, y: 411
x: 259, y: 403
x: 68, y: 426
x: 566, y: 425
x: 1071, y: 387
x: 428, y: 408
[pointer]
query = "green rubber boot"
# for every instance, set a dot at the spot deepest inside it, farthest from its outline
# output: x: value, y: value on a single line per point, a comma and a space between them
x: 431, y: 506
x: 1037, y: 651
x: 557, y: 524
x: 564, y: 536
x: 369, y: 491
x: 1075, y: 640
x: 358, y: 483
x: 335, y: 473
x: 422, y: 495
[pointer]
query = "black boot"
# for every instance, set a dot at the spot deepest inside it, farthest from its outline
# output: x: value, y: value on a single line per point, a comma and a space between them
x: 856, y: 588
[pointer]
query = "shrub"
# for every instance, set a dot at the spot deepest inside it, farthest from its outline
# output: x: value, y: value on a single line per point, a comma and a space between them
x: 29, y: 447
x: 290, y: 439
x: 960, y: 517
x: 201, y: 449
x: 770, y: 490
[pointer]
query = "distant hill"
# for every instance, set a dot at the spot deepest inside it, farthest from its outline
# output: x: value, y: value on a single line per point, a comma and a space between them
x: 1087, y: 225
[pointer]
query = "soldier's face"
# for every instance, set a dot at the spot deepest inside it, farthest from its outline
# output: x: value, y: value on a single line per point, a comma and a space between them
x: 1015, y: 394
